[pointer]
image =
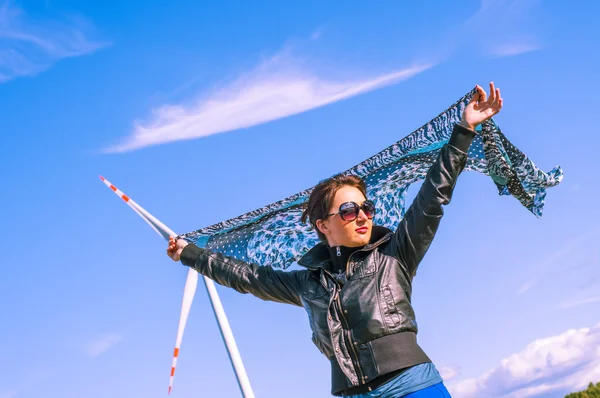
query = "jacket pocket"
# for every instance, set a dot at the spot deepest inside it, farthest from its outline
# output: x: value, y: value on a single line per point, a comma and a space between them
x: 363, y: 267
x: 316, y: 304
x: 391, y: 315
x: 315, y: 291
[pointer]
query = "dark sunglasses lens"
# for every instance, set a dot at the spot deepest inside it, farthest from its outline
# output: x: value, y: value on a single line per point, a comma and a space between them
x: 369, y: 209
x: 349, y: 211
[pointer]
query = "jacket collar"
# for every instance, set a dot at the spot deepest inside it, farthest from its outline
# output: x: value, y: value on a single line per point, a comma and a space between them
x: 319, y: 256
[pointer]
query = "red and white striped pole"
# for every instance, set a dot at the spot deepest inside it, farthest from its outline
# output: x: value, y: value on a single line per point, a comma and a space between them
x: 188, y: 297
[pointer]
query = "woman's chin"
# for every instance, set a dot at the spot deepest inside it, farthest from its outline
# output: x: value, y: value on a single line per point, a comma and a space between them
x: 360, y: 240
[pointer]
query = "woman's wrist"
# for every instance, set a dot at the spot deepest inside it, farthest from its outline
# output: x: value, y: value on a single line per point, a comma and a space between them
x: 466, y: 125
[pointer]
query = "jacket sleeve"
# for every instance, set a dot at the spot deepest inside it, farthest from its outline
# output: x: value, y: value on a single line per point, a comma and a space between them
x: 261, y: 281
x: 421, y: 221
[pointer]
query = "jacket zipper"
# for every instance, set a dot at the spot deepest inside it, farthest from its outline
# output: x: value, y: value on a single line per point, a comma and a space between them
x: 349, y: 343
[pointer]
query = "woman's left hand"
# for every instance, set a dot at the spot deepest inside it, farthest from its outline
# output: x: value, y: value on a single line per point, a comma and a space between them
x: 175, y: 248
x: 481, y: 108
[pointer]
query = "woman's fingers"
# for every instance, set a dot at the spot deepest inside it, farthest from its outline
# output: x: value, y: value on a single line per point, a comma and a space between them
x: 492, y: 93
x: 482, y: 96
x: 498, y: 98
x: 476, y: 96
x: 171, y: 247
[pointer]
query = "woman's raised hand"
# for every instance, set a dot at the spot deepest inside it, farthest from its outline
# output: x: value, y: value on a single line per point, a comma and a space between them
x: 481, y: 107
x: 175, y: 248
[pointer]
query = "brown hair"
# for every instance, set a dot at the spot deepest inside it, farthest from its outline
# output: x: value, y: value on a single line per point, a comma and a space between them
x: 321, y: 198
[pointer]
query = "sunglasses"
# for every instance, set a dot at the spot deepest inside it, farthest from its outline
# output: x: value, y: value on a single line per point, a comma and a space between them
x: 349, y: 210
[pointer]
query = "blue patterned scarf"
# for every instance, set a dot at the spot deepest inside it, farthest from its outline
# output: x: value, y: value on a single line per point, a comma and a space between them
x: 273, y: 235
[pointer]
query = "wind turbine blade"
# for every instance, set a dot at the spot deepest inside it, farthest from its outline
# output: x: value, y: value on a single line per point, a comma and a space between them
x: 158, y: 226
x: 188, y: 296
x: 192, y: 278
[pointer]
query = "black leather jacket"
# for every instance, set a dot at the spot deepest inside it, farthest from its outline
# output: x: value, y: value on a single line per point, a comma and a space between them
x: 367, y: 327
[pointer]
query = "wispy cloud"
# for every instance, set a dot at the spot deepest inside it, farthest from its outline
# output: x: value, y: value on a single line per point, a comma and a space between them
x: 525, y: 287
x: 574, y: 253
x: 570, y: 272
x: 503, y: 28
x: 524, y: 45
x: 101, y: 344
x: 316, y: 34
x: 29, y: 46
x: 32, y: 379
x: 551, y: 365
x: 449, y: 372
x: 283, y: 85
x: 577, y: 303
x: 277, y: 88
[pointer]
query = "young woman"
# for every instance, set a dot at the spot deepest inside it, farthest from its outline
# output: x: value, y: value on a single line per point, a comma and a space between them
x: 357, y: 284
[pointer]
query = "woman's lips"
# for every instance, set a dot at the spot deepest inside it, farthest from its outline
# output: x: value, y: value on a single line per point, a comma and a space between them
x: 362, y: 230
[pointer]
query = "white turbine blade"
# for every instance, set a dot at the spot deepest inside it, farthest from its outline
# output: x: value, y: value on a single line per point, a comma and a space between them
x: 188, y: 296
x: 158, y: 226
x: 192, y: 278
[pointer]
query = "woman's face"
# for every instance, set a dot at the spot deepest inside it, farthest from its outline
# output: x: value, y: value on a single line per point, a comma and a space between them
x: 346, y: 233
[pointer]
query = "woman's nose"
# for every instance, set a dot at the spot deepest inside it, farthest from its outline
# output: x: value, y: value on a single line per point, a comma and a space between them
x: 362, y: 216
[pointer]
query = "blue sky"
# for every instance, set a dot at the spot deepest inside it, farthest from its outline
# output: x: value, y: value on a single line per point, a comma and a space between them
x: 203, y: 112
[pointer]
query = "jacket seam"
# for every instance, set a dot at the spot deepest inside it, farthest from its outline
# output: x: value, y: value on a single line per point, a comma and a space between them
x: 381, y: 313
x: 246, y: 272
x: 370, y: 346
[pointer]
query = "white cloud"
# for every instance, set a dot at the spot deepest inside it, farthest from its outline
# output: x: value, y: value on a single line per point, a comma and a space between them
x: 29, y: 46
x: 573, y: 253
x: 577, y: 303
x: 503, y: 28
x: 524, y: 45
x: 277, y: 88
x: 283, y: 86
x: 316, y: 34
x: 101, y: 344
x: 569, y: 361
x: 525, y: 287
x: 449, y: 372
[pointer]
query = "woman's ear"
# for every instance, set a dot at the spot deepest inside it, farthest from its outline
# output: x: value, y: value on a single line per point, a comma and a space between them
x: 322, y: 227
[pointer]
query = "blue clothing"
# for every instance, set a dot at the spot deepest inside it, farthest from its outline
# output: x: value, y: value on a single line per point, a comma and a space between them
x: 273, y: 236
x: 420, y: 381
x: 435, y: 391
